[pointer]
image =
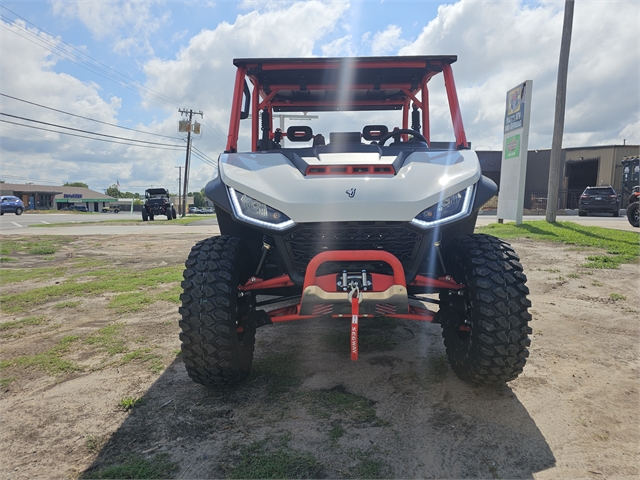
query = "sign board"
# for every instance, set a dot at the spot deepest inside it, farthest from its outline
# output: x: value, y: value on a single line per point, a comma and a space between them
x: 514, y: 153
x: 72, y: 195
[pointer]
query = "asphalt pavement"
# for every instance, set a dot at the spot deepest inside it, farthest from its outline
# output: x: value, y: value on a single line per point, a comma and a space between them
x: 24, y: 224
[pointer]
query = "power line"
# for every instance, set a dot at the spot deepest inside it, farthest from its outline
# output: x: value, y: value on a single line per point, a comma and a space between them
x: 84, y: 136
x: 203, y: 154
x: 116, y: 76
x: 87, y: 131
x: 87, y: 118
x: 108, y: 73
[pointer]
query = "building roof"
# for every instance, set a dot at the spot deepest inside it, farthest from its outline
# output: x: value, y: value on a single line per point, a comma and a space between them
x: 62, y: 193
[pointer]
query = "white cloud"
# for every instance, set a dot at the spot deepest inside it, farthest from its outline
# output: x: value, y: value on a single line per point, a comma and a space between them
x: 202, y: 74
x: 500, y: 44
x: 28, y: 73
x: 388, y: 41
x: 340, y: 47
x: 128, y: 22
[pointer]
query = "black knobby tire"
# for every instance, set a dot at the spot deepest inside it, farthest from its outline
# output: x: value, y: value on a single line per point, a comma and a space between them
x: 150, y: 215
x: 145, y: 216
x: 486, y: 329
x: 632, y: 214
x: 214, y: 352
x: 173, y: 212
x: 169, y: 215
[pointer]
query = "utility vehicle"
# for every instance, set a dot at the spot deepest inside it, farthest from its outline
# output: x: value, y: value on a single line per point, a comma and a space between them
x: 157, y: 202
x: 375, y: 219
x: 632, y: 207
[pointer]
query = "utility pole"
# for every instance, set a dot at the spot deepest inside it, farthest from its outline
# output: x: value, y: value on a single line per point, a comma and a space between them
x: 179, y: 190
x: 558, y: 125
x: 186, y: 126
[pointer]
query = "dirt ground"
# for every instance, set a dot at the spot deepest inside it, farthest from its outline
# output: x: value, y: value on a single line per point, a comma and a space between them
x: 399, y: 412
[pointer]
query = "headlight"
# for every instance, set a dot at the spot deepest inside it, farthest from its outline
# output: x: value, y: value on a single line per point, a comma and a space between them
x: 451, y: 208
x: 253, y: 211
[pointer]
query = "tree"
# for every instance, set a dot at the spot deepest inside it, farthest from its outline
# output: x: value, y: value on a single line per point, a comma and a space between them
x: 76, y: 184
x: 198, y: 199
x: 113, y: 191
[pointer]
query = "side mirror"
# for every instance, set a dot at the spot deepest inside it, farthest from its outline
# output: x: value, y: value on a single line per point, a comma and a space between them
x: 247, y: 102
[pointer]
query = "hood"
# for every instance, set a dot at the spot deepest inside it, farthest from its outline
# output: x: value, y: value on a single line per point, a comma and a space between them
x: 423, y: 179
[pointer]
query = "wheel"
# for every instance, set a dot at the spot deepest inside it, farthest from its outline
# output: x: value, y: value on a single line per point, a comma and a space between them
x: 616, y: 213
x: 145, y: 215
x: 400, y: 131
x: 173, y: 212
x: 632, y: 214
x: 486, y: 328
x: 582, y: 213
x: 19, y: 211
x: 169, y: 215
x: 214, y: 352
x: 151, y: 216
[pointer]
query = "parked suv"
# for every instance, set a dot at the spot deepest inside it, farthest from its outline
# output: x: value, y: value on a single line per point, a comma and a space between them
x: 111, y: 208
x: 354, y: 224
x: 11, y: 204
x: 157, y: 202
x: 599, y: 200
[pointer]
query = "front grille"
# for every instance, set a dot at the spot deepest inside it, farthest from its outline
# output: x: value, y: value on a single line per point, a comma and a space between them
x: 311, y: 239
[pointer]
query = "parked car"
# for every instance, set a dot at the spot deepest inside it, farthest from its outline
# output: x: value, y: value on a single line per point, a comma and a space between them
x: 76, y: 208
x: 111, y: 208
x: 11, y: 204
x: 599, y: 200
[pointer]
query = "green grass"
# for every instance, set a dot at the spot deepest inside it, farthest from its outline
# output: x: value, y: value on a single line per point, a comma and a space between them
x: 33, y: 320
x: 619, y: 246
x: 617, y: 296
x: 336, y: 433
x: 100, y: 282
x: 278, y: 371
x: 131, y: 302
x: 41, y: 246
x: 50, y: 361
x: 106, y: 339
x: 172, y: 295
x: 370, y: 468
x: 15, y: 275
x: 68, y: 304
x: 135, y: 466
x: 144, y: 355
x: 8, y: 259
x: 5, y: 382
x: 337, y: 401
x: 129, y: 403
x: 265, y: 459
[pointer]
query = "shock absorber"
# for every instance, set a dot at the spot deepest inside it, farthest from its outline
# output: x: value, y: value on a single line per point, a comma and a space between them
x: 267, y: 245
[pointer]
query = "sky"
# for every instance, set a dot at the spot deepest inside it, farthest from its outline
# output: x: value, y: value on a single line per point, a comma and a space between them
x: 122, y: 69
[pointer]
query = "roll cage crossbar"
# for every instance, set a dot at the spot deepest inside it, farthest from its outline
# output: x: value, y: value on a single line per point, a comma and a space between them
x: 339, y: 84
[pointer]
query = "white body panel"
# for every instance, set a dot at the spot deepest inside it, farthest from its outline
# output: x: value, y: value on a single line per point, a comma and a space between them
x: 424, y: 180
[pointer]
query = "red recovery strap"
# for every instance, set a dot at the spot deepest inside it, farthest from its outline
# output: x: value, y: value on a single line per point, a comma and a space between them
x: 354, y: 327
x: 355, y: 296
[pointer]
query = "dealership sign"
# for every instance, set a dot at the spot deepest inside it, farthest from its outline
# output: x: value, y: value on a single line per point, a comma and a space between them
x: 72, y: 195
x: 514, y: 153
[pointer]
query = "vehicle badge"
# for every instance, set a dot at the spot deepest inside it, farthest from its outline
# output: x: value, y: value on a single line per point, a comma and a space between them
x: 351, y: 192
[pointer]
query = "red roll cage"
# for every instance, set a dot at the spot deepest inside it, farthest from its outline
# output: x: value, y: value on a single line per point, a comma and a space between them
x: 340, y: 84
